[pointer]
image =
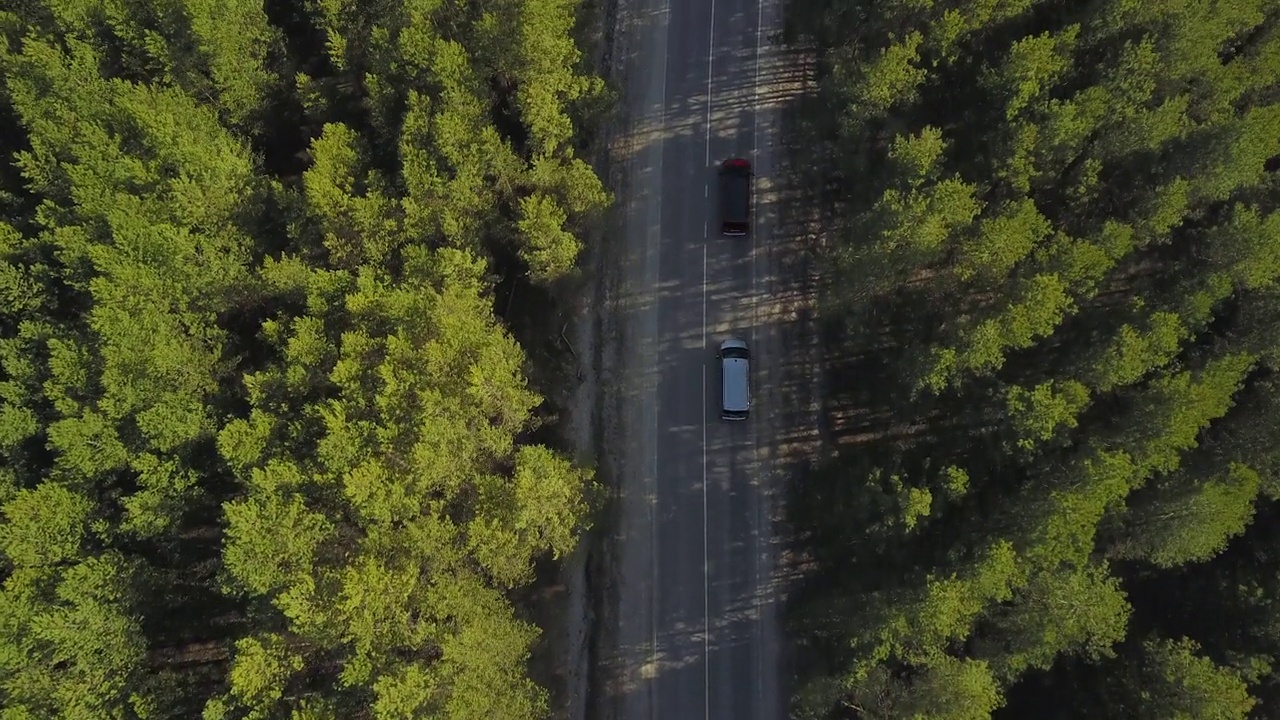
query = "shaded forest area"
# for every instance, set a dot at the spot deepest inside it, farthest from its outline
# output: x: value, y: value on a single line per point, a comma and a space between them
x: 1051, y: 252
x: 268, y: 449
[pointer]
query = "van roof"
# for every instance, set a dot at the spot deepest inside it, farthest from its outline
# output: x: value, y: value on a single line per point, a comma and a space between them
x: 736, y: 390
x: 734, y: 191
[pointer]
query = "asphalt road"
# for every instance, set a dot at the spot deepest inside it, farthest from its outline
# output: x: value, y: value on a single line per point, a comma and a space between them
x: 697, y: 612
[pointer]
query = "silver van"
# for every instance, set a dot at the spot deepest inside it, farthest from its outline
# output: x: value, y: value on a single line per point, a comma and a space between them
x: 735, y: 380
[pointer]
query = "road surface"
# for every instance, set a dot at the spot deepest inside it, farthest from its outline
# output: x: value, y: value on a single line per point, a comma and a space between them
x: 696, y: 632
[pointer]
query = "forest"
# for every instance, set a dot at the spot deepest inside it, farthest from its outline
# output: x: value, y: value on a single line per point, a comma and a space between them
x: 1050, y: 252
x: 268, y: 447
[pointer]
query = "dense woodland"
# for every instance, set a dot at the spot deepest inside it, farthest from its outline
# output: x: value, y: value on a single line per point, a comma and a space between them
x: 1051, y: 248
x: 266, y: 441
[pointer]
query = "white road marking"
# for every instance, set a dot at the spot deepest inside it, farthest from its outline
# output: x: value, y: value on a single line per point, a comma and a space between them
x: 755, y: 154
x: 711, y: 47
x: 706, y: 583
x: 653, y: 507
x: 706, y: 575
x: 653, y: 551
x: 755, y: 315
x: 755, y: 101
x: 666, y: 11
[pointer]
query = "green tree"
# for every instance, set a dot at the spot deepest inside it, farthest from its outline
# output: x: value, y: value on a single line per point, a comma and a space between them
x: 1038, y: 414
x: 403, y: 532
x: 1174, y: 681
x: 356, y: 217
x: 1001, y: 241
x: 950, y: 689
x: 1031, y: 68
x: 910, y: 225
x: 552, y: 250
x: 1070, y: 609
x: 1038, y: 304
x: 293, y: 387
x: 217, y: 52
x: 70, y: 644
x: 1186, y: 518
x: 1060, y: 277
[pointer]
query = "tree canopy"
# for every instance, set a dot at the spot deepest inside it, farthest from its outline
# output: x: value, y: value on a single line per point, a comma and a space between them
x: 266, y: 444
x: 1051, y: 242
